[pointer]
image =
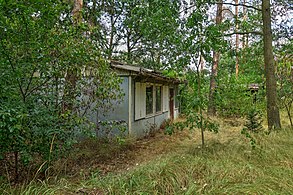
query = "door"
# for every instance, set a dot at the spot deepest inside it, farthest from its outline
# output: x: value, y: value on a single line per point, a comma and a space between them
x: 171, y: 103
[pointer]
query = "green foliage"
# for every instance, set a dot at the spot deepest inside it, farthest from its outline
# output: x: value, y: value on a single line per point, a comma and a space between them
x: 253, y: 125
x: 195, y: 120
x: 254, y: 121
x: 233, y: 95
x: 11, y: 135
x: 39, y: 46
x: 190, y: 98
x: 113, y: 130
x: 194, y: 100
x: 169, y: 127
x: 248, y: 135
x: 285, y: 81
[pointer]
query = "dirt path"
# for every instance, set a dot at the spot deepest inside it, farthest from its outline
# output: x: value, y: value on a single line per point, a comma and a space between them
x: 93, y: 156
x: 96, y: 157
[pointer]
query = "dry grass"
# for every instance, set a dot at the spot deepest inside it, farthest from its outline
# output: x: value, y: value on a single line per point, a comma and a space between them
x: 178, y: 165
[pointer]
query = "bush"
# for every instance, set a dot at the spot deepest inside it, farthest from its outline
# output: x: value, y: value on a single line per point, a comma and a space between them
x: 34, y: 134
x: 253, y: 125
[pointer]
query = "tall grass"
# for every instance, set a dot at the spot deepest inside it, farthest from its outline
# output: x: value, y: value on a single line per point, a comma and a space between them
x: 219, y: 169
x: 224, y: 167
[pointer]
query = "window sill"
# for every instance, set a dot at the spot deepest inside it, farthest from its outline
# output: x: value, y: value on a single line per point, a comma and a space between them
x: 152, y: 115
x: 155, y: 114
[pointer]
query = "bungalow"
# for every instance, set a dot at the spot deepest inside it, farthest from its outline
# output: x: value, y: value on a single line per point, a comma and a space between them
x: 150, y: 99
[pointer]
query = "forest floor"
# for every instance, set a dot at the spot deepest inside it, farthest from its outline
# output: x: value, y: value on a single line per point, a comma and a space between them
x: 92, y: 156
x: 176, y: 164
x: 103, y: 158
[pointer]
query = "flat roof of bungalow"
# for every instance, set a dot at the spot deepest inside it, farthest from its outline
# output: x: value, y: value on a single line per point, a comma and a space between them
x: 145, y: 72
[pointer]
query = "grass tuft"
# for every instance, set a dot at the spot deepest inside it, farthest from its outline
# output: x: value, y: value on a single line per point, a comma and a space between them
x: 227, y: 165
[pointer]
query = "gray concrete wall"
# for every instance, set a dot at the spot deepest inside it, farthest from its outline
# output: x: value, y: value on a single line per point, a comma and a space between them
x: 176, y: 113
x: 117, y: 115
x: 120, y: 112
x: 142, y: 127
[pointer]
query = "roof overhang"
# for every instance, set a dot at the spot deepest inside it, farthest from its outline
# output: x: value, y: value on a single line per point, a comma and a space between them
x: 144, y: 73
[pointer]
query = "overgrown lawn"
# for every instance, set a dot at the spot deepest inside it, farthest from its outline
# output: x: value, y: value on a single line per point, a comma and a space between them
x: 227, y: 165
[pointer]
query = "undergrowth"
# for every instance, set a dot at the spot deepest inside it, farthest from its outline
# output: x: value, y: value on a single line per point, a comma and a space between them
x: 229, y: 167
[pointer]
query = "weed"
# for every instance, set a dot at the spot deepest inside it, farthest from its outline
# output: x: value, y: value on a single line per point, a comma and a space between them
x: 253, y: 125
x: 227, y: 165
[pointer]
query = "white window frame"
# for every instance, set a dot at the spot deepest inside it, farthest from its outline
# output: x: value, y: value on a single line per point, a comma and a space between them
x: 161, y: 100
x: 140, y: 100
x: 165, y: 98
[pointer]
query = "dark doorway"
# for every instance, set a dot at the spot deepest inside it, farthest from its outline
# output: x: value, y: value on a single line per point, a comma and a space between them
x: 171, y: 104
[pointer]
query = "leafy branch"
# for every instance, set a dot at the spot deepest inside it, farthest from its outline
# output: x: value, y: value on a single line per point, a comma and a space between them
x: 243, y: 5
x: 233, y: 4
x: 244, y: 33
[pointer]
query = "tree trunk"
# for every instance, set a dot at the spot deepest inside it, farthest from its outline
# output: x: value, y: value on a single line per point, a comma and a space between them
x: 110, y: 52
x: 128, y: 45
x: 244, y: 37
x: 71, y: 74
x: 288, y: 109
x: 200, y: 99
x: 237, y: 39
x: 76, y: 11
x: 216, y: 57
x: 16, y: 177
x: 201, y: 59
x: 273, y: 115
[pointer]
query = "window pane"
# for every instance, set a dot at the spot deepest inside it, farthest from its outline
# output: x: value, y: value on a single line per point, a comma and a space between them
x: 149, y: 100
x: 158, y: 99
